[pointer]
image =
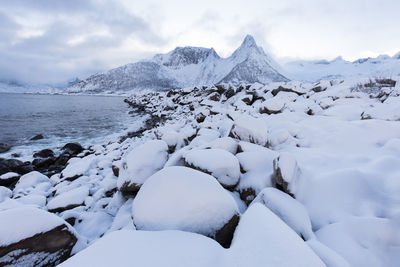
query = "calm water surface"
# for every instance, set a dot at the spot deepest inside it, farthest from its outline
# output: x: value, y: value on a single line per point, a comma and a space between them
x: 60, y: 118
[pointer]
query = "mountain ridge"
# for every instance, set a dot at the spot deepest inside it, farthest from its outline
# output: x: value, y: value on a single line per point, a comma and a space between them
x: 186, y: 66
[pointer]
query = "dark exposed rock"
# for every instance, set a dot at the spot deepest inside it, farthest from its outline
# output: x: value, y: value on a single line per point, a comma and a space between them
x: 200, y: 118
x: 248, y: 99
x: 73, y: 148
x: 43, y: 163
x: 45, y: 153
x: 115, y: 170
x: 68, y: 207
x: 14, y: 165
x: 283, y: 89
x: 225, y: 234
x: 37, y: 137
x: 10, y: 182
x: 214, y: 97
x: 110, y: 193
x: 71, y: 220
x: 281, y: 182
x: 220, y: 88
x: 365, y: 116
x: 247, y: 195
x: 265, y: 110
x: 310, y: 112
x: 4, y: 148
x: 318, y: 89
x: 129, y: 189
x: 229, y: 93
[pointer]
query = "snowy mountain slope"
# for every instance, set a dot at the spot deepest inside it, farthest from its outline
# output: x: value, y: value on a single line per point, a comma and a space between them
x: 381, y: 66
x: 186, y: 66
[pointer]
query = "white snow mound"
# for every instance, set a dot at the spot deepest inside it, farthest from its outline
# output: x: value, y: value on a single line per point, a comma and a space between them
x: 180, y: 198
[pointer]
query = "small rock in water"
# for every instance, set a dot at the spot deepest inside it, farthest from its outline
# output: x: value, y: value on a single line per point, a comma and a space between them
x: 4, y: 148
x: 73, y: 148
x: 45, y: 153
x: 37, y: 137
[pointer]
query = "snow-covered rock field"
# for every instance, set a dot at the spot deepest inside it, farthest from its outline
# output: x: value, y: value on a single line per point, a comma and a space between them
x: 284, y: 174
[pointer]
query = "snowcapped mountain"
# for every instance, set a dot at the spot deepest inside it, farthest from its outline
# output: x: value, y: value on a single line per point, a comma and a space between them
x: 186, y: 66
x: 381, y: 66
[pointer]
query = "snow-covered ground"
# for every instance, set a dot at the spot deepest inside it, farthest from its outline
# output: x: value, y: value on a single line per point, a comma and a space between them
x: 313, y: 183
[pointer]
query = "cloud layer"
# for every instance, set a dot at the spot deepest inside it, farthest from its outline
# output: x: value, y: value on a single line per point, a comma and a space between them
x: 50, y: 41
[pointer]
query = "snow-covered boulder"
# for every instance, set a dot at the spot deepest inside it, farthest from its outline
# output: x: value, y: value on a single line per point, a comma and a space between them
x: 286, y: 173
x: 221, y: 164
x: 288, y: 209
x: 272, y: 106
x: 180, y: 198
x: 32, y: 183
x: 149, y: 248
x: 34, y: 237
x: 250, y: 129
x: 173, y: 139
x: 68, y: 200
x: 225, y: 143
x: 262, y: 239
x: 140, y: 164
x: 77, y: 167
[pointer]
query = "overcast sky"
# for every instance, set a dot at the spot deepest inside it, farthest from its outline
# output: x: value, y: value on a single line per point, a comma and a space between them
x: 53, y: 40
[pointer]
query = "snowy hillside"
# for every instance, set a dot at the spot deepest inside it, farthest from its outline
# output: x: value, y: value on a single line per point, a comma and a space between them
x: 183, y: 67
x: 284, y: 174
x: 379, y: 67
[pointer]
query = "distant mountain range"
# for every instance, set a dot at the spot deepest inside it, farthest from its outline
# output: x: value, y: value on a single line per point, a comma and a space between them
x: 196, y: 66
x: 381, y: 66
x: 186, y: 66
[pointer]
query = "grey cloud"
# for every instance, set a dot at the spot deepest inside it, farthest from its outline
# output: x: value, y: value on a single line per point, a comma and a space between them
x: 48, y: 57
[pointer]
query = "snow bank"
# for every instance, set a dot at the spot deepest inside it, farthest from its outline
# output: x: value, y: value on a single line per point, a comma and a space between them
x: 375, y: 241
x: 262, y: 239
x: 288, y: 209
x: 4, y: 193
x: 142, y: 248
x: 180, y: 198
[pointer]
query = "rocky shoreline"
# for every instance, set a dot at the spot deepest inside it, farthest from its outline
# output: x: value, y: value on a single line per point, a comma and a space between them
x: 242, y: 168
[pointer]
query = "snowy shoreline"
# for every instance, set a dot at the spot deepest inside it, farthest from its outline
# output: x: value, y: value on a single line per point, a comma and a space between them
x: 286, y: 174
